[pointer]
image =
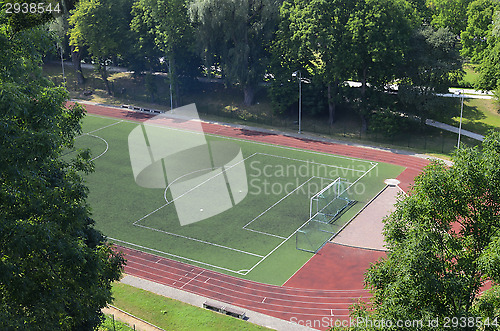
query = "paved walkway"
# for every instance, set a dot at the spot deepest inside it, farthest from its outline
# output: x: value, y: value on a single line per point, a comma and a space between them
x: 454, y: 129
x: 365, y: 231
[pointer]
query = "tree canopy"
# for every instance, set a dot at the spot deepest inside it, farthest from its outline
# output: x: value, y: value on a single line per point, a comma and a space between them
x: 56, y: 270
x: 443, y: 242
x: 235, y: 34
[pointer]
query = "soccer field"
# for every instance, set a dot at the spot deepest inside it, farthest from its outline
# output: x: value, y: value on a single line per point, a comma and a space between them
x: 255, y: 236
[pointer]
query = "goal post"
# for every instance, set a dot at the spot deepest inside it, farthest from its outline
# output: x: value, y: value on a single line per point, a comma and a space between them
x: 330, y: 201
x: 326, y: 206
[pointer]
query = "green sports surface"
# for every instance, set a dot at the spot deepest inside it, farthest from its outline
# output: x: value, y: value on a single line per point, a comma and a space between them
x: 256, y: 238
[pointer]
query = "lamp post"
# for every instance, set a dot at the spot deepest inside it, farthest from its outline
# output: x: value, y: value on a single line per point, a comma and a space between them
x: 298, y: 74
x: 461, y: 94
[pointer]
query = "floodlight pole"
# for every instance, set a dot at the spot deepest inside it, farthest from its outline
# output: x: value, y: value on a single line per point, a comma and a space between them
x: 461, y: 93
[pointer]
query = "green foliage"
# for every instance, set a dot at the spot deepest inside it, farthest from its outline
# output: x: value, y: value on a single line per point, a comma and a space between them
x: 479, y: 23
x: 450, y: 14
x: 102, y: 26
x: 443, y: 242
x: 388, y: 123
x: 234, y: 36
x: 55, y: 268
x: 431, y: 64
x: 163, y: 28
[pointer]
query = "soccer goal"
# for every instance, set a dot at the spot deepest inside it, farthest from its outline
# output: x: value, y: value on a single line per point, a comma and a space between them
x: 326, y: 206
x: 331, y: 201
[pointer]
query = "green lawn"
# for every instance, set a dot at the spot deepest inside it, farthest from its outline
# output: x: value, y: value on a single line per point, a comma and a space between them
x: 171, y: 314
x: 479, y: 116
x: 255, y: 239
x: 110, y: 324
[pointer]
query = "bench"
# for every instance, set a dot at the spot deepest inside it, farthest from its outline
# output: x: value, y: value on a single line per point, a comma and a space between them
x: 224, y: 310
x: 143, y: 109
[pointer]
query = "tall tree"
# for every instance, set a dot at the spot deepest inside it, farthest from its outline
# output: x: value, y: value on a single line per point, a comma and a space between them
x: 318, y: 27
x: 378, y: 35
x: 431, y: 64
x: 442, y: 241
x: 474, y: 38
x: 104, y: 27
x: 56, y: 270
x: 450, y: 14
x: 167, y: 22
x: 489, y: 64
x: 235, y: 35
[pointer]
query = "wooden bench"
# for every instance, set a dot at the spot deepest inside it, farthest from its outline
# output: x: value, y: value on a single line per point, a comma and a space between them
x: 220, y: 308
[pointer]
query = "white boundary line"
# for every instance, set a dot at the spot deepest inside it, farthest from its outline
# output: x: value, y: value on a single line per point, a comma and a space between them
x: 176, y: 256
x: 198, y: 240
x: 246, y: 140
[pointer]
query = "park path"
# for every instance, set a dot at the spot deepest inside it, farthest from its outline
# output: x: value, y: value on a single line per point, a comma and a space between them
x: 322, y: 290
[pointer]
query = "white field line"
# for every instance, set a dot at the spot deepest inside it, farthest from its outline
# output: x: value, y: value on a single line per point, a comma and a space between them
x: 277, y: 202
x: 199, y: 274
x: 198, y: 240
x: 207, y: 180
x: 104, y: 127
x: 173, y: 255
x: 107, y: 146
x: 312, y: 162
x: 245, y: 141
x: 265, y: 233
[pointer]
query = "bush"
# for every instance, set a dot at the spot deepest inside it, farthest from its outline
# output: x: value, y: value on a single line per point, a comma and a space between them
x: 388, y: 122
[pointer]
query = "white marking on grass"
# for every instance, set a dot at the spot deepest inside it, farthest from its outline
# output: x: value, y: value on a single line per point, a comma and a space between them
x: 198, y: 240
x: 312, y: 162
x: 107, y: 146
x: 104, y: 127
x: 173, y: 255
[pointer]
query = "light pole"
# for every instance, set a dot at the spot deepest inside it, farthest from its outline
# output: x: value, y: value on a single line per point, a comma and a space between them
x: 298, y: 74
x: 461, y: 94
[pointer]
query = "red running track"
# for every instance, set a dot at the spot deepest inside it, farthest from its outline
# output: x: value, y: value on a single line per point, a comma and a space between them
x: 324, y: 287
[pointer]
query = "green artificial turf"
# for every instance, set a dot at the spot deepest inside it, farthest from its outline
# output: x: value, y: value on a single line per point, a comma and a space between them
x: 255, y: 239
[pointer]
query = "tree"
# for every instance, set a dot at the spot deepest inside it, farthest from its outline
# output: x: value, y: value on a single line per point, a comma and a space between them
x: 450, y: 14
x: 431, y: 64
x: 318, y: 28
x: 234, y: 35
x: 167, y: 22
x: 56, y: 270
x: 443, y: 242
x: 103, y: 26
x: 479, y: 24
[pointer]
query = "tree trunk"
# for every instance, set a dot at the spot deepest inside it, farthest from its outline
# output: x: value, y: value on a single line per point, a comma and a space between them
x: 77, y: 64
x: 104, y: 76
x: 249, y: 94
x: 331, y: 107
x: 363, y: 84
